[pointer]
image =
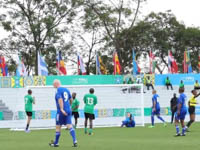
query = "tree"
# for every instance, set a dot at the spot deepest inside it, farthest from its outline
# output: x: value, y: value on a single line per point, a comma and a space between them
x: 87, y: 43
x: 113, y: 17
x: 157, y: 32
x: 36, y: 26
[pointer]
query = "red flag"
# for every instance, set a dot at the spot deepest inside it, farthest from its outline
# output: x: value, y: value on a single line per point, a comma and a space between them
x: 199, y: 62
x: 172, y: 65
x: 3, y: 67
x: 151, y: 62
x: 60, y: 64
x: 81, y: 67
x: 139, y: 69
x: 117, y: 66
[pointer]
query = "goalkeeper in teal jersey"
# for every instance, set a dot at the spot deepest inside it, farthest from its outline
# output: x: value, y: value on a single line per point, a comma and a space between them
x: 29, y: 101
x: 90, y: 101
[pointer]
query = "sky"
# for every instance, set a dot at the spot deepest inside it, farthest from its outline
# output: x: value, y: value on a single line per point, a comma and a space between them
x: 187, y: 11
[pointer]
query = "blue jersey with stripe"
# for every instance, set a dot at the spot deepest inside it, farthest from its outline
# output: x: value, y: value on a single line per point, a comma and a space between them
x: 181, y: 100
x: 155, y: 99
x: 65, y: 95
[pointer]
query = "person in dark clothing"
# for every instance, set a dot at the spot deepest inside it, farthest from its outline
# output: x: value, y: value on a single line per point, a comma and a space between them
x: 173, y: 106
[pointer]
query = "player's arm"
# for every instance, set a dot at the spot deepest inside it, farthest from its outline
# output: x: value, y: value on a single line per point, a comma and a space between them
x: 84, y: 99
x: 60, y: 102
x: 70, y: 101
x: 188, y: 103
x: 154, y: 105
x: 95, y: 102
x: 77, y: 105
x: 197, y: 95
x: 179, y: 108
x: 33, y: 99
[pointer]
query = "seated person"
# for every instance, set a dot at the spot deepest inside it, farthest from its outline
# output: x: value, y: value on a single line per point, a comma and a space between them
x: 149, y: 83
x: 130, y: 81
x: 129, y: 121
x: 181, y: 85
x: 196, y: 85
x: 168, y: 83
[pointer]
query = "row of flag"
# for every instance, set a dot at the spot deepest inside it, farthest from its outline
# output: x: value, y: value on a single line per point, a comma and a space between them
x: 100, y: 66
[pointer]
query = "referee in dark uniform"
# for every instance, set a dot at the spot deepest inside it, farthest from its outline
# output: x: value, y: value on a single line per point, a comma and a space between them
x: 173, y: 106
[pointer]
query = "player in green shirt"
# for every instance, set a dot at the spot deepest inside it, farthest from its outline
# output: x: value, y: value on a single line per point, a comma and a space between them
x: 90, y: 101
x: 181, y: 85
x: 29, y: 101
x: 74, y: 107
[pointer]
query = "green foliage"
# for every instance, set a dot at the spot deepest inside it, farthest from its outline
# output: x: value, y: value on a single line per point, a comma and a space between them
x: 161, y: 32
x: 94, y: 26
x: 36, y: 26
x: 112, y: 17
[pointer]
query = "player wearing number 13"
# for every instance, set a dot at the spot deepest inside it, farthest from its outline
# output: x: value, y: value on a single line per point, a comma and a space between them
x: 90, y: 101
x: 63, y: 116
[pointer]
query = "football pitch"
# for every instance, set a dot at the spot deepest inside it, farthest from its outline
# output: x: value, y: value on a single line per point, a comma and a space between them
x: 139, y: 138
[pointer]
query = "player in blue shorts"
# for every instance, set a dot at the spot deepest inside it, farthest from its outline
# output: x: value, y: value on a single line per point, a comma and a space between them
x: 63, y: 116
x: 129, y: 121
x: 155, y: 109
x: 181, y: 112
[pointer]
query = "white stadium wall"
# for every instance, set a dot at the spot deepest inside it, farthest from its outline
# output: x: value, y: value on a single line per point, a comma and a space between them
x: 113, y: 102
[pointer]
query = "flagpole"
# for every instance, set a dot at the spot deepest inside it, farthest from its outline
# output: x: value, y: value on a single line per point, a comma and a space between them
x: 96, y: 62
x: 115, y: 69
x: 77, y: 64
x: 58, y: 68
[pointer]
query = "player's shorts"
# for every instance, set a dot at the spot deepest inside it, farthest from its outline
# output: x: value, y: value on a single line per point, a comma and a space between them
x: 62, y: 119
x: 157, y: 112
x: 191, y: 110
x: 29, y: 113
x: 181, y: 116
x: 75, y: 114
x: 90, y: 116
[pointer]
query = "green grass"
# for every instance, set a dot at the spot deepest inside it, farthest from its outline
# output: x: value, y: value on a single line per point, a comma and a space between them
x: 139, y: 138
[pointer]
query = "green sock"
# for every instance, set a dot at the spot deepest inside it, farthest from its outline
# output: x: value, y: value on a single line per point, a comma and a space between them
x: 85, y: 130
x: 90, y: 131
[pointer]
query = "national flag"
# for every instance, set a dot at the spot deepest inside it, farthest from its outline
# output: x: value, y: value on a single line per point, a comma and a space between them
x: 42, y: 66
x: 136, y: 69
x: 187, y: 67
x: 199, y: 62
x: 101, y: 68
x: 21, y: 69
x: 98, y: 70
x: 60, y: 64
x: 81, y: 67
x: 172, y: 65
x: 117, y: 66
x: 152, y: 62
x: 3, y: 66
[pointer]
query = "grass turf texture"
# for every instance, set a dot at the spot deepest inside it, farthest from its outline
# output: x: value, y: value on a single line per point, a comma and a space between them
x: 139, y: 138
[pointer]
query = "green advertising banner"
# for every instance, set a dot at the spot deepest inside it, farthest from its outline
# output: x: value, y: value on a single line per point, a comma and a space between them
x: 1, y: 115
x: 86, y: 79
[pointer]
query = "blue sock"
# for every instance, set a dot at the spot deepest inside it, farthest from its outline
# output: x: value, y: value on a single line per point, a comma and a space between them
x: 73, y: 134
x: 177, y: 129
x: 161, y: 119
x: 57, y: 136
x: 152, y: 120
x: 183, y: 130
